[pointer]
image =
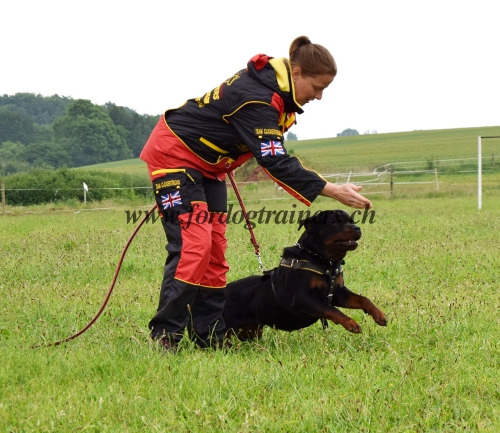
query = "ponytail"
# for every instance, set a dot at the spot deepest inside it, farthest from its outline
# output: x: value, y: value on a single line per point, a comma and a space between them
x: 312, y: 59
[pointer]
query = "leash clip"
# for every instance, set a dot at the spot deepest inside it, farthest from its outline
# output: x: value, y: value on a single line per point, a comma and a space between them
x: 262, y: 268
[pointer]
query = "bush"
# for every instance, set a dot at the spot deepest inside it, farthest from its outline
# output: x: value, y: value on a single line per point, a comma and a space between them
x: 48, y: 186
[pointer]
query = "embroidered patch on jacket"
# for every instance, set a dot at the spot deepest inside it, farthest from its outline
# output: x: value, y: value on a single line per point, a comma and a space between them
x: 171, y: 200
x: 271, y: 148
x: 268, y: 131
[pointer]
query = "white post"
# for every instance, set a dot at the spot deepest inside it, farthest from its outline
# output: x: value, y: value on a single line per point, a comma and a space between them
x: 437, y: 180
x: 479, y: 174
x: 85, y: 189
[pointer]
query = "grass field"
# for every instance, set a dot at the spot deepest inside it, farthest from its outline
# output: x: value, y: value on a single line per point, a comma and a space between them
x: 430, y: 261
x: 431, y: 265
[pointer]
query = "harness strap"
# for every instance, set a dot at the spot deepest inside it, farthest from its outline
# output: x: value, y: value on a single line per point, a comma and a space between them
x: 306, y: 265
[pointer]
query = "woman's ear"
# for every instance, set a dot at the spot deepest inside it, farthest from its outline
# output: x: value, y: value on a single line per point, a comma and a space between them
x: 296, y: 72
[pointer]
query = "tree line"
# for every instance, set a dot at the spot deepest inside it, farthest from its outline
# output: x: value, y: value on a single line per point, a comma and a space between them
x: 50, y: 132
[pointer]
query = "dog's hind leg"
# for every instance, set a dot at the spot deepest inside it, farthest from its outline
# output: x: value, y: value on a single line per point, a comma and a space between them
x: 344, y: 298
x: 248, y: 332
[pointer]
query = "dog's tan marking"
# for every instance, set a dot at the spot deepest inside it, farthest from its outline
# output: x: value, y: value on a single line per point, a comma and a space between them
x: 317, y: 282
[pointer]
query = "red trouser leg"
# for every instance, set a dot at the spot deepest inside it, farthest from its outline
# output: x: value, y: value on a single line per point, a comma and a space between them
x: 215, y: 275
x: 208, y: 324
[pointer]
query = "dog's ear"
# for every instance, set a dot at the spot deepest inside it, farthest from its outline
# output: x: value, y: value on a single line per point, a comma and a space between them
x: 318, y: 218
x: 304, y: 223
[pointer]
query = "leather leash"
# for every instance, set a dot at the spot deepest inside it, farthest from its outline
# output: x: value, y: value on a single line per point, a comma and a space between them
x: 110, y: 290
x: 249, y: 224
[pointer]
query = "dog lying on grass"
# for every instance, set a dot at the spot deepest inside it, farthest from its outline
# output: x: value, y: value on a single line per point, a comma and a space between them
x: 306, y: 286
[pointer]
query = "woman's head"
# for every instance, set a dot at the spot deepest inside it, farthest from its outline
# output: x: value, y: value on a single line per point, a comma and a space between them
x: 313, y: 69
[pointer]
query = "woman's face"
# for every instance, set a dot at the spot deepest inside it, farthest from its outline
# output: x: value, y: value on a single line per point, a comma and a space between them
x: 309, y: 88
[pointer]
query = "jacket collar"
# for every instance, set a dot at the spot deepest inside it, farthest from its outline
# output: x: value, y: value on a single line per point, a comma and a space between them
x: 275, y: 73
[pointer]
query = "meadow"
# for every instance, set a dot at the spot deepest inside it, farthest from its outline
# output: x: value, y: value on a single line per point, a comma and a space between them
x: 429, y: 260
x: 333, y: 155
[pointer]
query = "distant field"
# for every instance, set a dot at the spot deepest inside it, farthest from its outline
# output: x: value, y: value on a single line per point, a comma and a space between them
x: 132, y: 166
x: 367, y: 152
x: 364, y: 153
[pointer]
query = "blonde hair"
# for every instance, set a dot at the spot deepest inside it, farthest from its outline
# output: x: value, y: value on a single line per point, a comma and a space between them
x: 312, y: 59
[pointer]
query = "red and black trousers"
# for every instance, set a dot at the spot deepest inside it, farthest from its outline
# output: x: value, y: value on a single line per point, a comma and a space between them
x: 193, y: 209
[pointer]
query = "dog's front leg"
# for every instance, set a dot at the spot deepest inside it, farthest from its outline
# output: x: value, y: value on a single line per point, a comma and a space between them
x: 339, y: 318
x: 343, y: 297
x: 313, y: 307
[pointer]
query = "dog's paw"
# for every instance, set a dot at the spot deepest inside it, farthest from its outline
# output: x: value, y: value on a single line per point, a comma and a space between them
x: 356, y: 329
x: 379, y: 318
x: 352, y: 326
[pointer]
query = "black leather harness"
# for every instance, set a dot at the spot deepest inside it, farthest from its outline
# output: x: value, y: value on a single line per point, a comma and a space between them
x: 331, y: 271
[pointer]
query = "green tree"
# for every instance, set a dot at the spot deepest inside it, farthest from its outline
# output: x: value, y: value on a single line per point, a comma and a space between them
x: 42, y: 133
x: 15, y: 127
x: 89, y: 135
x: 40, y: 109
x: 11, y: 155
x: 138, y: 127
x: 10, y: 151
x: 347, y: 132
x: 46, y: 154
x: 291, y: 136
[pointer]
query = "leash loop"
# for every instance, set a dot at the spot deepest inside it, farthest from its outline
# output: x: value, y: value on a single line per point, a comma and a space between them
x: 110, y: 290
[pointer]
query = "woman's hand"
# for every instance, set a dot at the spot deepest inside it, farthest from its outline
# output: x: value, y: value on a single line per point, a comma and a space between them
x: 346, y: 194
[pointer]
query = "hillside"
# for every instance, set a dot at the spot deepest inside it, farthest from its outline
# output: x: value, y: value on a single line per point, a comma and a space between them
x: 367, y: 152
x: 364, y: 153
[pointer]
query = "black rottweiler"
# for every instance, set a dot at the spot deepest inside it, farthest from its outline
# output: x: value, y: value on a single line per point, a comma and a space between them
x: 306, y: 286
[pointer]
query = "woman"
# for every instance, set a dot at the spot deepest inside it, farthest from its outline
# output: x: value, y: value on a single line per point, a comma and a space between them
x: 188, y: 155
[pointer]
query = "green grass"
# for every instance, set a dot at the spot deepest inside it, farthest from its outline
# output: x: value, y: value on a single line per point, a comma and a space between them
x: 430, y: 263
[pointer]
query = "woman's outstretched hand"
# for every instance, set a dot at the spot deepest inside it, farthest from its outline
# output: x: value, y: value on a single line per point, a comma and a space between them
x: 347, y: 194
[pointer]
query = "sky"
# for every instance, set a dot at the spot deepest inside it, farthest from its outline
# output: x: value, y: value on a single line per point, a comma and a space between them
x: 402, y: 65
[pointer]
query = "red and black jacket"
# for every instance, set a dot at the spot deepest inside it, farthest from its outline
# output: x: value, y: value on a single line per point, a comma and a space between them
x: 249, y: 112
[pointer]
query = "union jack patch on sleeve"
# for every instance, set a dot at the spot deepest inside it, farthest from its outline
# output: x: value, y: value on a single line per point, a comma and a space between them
x: 171, y: 200
x: 272, y: 148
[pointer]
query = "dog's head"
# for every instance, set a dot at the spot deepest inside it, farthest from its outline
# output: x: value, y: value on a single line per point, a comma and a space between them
x: 331, y: 234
